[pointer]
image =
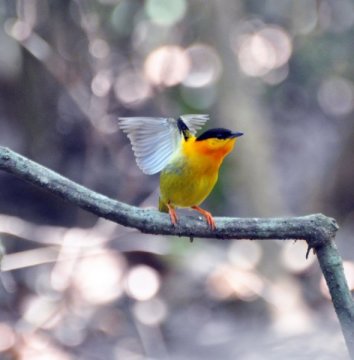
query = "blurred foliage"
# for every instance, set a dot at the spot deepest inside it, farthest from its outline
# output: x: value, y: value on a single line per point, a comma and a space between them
x: 75, y: 287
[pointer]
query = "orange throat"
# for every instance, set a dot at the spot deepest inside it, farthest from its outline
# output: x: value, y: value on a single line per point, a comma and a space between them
x: 205, y: 149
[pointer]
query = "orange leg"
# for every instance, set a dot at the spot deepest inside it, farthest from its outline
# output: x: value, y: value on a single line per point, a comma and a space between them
x: 209, y: 218
x: 172, y: 213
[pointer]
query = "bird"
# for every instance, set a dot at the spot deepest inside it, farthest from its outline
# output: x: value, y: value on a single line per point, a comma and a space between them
x: 189, y: 164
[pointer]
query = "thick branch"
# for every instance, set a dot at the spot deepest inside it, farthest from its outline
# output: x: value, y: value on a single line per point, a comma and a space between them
x: 318, y: 230
x: 313, y: 228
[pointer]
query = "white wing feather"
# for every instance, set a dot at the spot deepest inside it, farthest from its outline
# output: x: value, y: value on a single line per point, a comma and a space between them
x: 195, y: 121
x: 154, y: 140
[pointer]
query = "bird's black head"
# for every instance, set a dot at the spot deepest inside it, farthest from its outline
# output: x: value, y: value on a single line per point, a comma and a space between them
x: 218, y: 133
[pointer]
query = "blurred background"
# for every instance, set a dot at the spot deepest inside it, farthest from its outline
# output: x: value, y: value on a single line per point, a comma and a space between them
x: 77, y: 287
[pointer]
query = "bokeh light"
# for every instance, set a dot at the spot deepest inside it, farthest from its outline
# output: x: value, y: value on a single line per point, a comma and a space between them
x: 276, y: 76
x: 142, y: 282
x: 7, y: 337
x: 293, y: 257
x: 99, y: 48
x: 106, y: 124
x: 131, y: 88
x: 165, y: 13
x: 289, y: 311
x: 230, y: 282
x: 41, y: 311
x: 167, y: 66
x: 18, y: 29
x: 205, y: 66
x: 264, y: 50
x: 39, y: 347
x: 101, y: 83
x: 245, y: 254
x: 98, y: 277
x: 151, y: 312
x: 336, y: 96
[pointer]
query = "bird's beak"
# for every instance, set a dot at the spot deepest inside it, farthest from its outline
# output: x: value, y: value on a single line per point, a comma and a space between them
x: 236, y: 134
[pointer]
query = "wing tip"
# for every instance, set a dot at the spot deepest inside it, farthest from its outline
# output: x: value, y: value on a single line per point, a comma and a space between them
x: 203, y: 116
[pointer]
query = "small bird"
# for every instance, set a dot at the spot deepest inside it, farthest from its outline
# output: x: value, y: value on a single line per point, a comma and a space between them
x: 189, y: 165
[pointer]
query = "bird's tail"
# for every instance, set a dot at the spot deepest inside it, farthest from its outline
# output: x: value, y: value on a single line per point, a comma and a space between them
x: 162, y: 206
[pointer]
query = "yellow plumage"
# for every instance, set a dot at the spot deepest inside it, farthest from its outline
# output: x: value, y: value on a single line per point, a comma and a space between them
x: 189, y: 166
x: 192, y: 172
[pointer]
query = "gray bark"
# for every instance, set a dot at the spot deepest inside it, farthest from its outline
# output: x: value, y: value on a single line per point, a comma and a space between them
x: 318, y: 230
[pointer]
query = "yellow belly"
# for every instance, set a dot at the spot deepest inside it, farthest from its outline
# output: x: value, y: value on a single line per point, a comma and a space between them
x: 186, y: 183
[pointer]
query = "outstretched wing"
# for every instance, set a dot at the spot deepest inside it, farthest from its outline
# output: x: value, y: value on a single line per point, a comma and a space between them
x: 195, y: 121
x: 154, y: 140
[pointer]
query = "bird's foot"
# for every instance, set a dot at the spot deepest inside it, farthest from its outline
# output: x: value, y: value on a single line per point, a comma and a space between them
x: 209, y: 218
x: 173, y: 214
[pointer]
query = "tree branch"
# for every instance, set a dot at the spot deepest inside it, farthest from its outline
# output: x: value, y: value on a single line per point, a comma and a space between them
x: 318, y: 230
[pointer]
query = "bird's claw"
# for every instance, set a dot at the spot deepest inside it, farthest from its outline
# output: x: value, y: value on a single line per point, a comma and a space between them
x: 209, y: 218
x: 173, y: 215
x: 211, y: 222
